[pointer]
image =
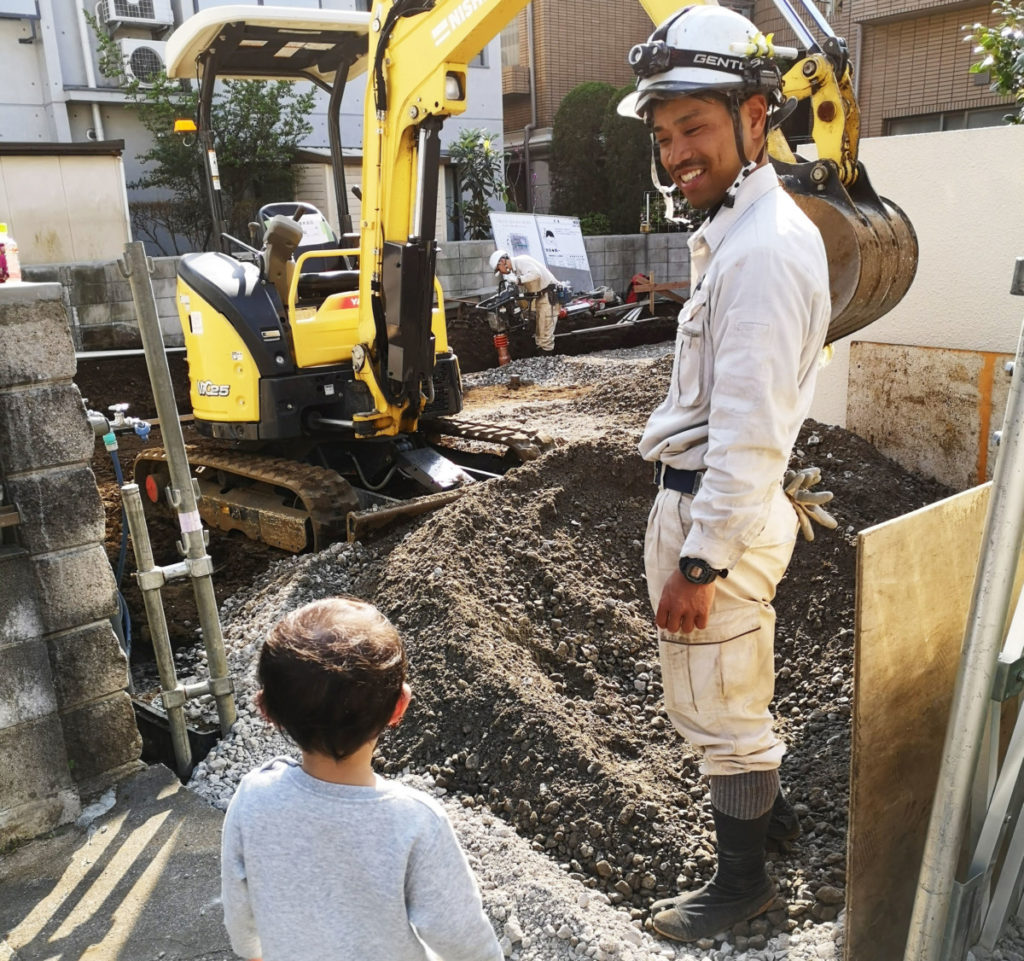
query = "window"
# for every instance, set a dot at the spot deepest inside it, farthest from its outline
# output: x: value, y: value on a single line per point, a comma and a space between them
x: 950, y: 120
x: 19, y: 9
x: 510, y: 44
x: 207, y: 4
x: 743, y: 7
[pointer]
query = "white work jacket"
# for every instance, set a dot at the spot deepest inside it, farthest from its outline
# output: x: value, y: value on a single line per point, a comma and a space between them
x: 532, y: 274
x: 747, y: 349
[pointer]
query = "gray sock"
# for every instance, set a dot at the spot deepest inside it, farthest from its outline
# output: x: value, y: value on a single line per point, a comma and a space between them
x: 744, y: 796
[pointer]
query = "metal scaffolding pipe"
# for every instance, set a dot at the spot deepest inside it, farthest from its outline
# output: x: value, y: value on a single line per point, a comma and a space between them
x: 181, y: 493
x: 931, y: 937
x: 141, y: 546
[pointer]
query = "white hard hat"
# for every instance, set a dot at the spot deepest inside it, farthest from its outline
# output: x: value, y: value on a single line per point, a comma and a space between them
x: 701, y: 48
x: 495, y: 257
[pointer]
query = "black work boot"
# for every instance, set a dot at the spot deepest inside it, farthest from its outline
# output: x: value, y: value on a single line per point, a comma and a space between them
x: 784, y: 824
x: 740, y: 889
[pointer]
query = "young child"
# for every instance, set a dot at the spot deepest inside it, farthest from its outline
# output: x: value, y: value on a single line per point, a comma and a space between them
x: 324, y: 860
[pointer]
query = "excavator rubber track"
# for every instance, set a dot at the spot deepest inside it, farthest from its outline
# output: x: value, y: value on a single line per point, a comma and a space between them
x: 525, y: 446
x: 297, y: 507
x: 280, y: 502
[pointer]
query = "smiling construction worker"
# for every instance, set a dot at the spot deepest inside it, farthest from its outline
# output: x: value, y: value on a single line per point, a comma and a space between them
x: 722, y: 530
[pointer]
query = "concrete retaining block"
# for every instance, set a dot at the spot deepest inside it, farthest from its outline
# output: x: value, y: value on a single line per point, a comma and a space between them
x: 59, y: 509
x: 20, y: 619
x: 36, y: 788
x: 75, y: 588
x: 85, y: 664
x: 101, y: 736
x: 44, y: 427
x: 35, y: 333
x: 109, y: 336
x: 26, y: 691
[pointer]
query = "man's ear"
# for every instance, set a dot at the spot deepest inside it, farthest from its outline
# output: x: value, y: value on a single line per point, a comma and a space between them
x: 400, y: 705
x: 755, y: 108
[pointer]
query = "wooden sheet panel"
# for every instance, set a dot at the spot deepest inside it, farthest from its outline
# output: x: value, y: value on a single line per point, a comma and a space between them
x: 915, y: 575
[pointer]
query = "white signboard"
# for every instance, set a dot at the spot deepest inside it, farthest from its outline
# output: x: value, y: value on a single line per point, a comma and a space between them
x: 556, y: 242
x: 563, y: 243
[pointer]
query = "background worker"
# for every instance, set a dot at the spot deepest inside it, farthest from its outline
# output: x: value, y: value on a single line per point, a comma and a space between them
x: 722, y: 531
x: 540, y: 284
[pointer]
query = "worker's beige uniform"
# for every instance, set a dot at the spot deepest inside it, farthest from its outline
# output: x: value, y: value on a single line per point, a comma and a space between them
x: 747, y: 351
x: 534, y: 277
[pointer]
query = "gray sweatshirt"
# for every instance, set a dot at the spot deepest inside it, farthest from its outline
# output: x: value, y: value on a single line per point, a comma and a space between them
x: 314, y: 871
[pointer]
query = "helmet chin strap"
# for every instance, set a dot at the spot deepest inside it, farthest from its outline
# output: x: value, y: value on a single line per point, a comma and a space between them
x: 667, y: 196
x: 746, y: 169
x: 747, y: 166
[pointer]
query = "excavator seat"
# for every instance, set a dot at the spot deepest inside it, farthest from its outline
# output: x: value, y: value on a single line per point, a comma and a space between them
x: 316, y: 286
x: 317, y: 234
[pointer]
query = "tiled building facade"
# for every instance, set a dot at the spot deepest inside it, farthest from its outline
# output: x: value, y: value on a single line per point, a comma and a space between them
x: 910, y: 63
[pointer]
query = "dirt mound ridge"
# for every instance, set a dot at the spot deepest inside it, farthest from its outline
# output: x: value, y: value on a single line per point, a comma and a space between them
x: 535, y: 668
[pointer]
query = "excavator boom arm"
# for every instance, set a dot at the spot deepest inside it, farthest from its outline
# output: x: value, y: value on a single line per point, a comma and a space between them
x: 418, y: 76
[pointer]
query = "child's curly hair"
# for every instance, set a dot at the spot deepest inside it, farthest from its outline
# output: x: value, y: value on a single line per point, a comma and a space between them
x: 331, y: 674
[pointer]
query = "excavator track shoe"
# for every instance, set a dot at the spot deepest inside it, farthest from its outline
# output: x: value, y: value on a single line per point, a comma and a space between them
x: 283, y: 503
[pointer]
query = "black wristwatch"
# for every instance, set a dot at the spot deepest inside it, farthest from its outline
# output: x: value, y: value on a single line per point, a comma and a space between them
x: 698, y: 571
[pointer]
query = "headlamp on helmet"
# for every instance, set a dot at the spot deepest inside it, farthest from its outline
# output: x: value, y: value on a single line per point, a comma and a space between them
x: 702, y: 48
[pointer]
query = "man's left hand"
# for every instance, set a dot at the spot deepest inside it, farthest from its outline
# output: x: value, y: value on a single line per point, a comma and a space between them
x: 684, y: 606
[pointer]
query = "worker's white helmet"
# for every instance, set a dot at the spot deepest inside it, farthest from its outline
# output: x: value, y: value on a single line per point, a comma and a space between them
x: 495, y: 257
x: 701, y: 48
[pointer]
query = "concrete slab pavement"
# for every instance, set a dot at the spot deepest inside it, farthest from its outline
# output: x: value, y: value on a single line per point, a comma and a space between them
x: 140, y: 882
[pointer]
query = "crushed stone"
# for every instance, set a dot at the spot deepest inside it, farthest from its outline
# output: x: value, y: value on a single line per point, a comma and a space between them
x: 538, y: 717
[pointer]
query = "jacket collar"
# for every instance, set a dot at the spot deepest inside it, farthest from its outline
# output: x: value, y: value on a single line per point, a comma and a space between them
x: 713, y: 231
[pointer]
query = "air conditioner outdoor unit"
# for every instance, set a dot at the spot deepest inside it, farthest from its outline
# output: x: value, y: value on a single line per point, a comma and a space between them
x: 143, y: 59
x: 138, y: 13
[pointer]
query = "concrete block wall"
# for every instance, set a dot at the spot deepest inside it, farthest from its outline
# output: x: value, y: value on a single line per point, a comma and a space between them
x: 67, y: 727
x: 99, y: 301
x: 463, y: 266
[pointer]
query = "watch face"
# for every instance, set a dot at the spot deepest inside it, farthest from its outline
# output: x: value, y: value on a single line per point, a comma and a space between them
x: 697, y: 571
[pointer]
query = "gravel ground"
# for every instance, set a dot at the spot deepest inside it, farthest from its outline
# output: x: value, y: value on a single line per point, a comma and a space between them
x: 537, y: 714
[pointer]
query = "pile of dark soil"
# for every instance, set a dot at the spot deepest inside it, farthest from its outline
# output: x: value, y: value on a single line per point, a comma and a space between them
x: 533, y: 653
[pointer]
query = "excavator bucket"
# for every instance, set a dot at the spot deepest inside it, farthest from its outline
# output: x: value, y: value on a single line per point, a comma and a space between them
x: 871, y: 245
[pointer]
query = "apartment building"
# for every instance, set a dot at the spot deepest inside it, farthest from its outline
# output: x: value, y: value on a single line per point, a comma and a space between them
x: 54, y: 93
x: 910, y: 66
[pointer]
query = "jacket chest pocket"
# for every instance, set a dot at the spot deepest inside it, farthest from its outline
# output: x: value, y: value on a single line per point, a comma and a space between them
x: 692, y: 376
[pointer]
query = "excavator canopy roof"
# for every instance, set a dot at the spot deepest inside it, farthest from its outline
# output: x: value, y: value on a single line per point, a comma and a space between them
x: 270, y: 43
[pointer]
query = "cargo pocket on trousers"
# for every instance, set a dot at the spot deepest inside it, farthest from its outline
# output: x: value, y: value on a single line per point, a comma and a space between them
x: 717, y: 669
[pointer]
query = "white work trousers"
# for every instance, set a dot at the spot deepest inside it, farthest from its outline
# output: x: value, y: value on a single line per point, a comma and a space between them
x: 547, y: 318
x: 720, y: 680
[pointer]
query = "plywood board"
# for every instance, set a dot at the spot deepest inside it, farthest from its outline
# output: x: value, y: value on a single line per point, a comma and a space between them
x: 915, y: 575
x: 946, y: 402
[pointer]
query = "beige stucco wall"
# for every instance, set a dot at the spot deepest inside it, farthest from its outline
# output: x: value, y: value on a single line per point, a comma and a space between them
x: 964, y: 193
x: 65, y: 209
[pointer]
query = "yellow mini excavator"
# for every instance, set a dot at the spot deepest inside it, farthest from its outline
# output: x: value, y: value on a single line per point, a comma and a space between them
x: 319, y: 365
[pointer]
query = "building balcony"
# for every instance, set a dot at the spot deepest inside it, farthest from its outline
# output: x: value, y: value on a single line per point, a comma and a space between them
x: 515, y: 81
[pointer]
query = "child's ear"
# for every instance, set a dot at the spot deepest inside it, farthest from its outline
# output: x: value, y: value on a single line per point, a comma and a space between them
x: 401, y: 705
x: 262, y: 709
